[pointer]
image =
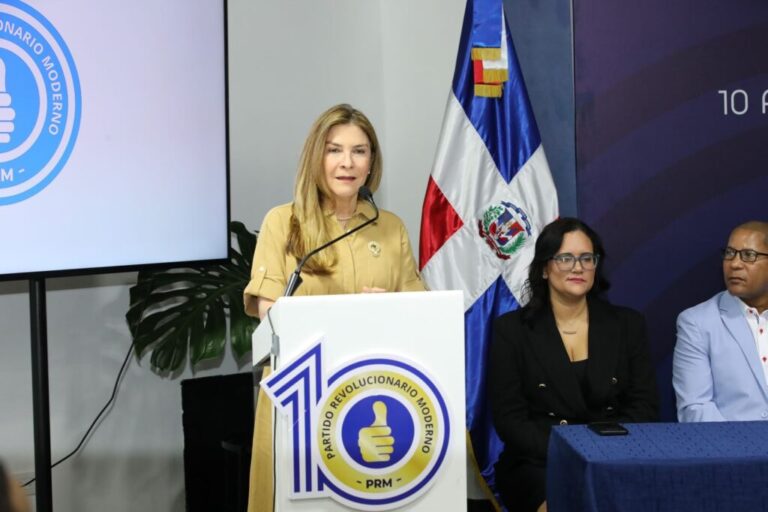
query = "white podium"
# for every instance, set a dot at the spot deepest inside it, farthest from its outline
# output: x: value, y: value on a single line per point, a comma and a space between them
x: 370, y: 396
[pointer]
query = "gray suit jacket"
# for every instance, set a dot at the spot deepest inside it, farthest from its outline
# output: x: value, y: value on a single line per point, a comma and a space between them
x: 716, y: 370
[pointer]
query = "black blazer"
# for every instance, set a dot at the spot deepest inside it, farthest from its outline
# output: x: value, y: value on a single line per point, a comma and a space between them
x: 532, y: 386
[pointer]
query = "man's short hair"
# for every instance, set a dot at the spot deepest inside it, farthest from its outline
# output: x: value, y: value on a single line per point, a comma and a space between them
x: 755, y: 225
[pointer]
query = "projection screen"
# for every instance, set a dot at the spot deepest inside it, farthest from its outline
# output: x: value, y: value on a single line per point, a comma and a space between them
x: 113, y: 134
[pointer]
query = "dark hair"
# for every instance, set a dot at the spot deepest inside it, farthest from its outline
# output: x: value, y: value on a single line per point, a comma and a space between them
x: 547, y: 244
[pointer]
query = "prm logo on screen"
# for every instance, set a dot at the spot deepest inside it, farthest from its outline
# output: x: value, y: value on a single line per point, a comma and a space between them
x: 39, y: 102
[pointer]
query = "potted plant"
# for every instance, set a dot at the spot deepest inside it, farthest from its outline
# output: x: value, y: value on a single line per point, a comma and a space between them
x: 181, y: 313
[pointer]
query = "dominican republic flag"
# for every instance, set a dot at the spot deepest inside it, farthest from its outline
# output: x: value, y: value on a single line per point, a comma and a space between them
x: 489, y: 196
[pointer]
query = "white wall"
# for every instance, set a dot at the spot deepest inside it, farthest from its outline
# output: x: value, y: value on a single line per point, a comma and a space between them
x: 420, y: 40
x: 393, y: 59
x: 289, y: 60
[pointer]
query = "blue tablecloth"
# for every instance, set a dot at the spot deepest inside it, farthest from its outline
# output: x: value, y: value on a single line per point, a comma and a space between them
x: 680, y: 467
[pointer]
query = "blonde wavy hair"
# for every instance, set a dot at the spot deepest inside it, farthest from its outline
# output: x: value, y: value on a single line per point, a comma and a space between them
x: 309, y: 227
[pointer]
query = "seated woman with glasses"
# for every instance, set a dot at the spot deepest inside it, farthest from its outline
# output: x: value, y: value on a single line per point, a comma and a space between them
x: 566, y: 357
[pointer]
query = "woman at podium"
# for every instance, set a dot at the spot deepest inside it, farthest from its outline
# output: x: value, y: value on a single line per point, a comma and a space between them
x: 341, y: 155
x: 567, y: 357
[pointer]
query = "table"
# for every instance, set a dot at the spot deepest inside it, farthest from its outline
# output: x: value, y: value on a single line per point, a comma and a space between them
x: 680, y: 467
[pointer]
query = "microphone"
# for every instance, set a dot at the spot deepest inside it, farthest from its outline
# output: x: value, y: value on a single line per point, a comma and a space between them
x: 366, y: 194
x: 295, y: 280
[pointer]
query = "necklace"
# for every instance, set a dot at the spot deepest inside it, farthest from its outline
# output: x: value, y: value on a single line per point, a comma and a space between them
x: 344, y: 221
x: 576, y: 321
x: 563, y: 330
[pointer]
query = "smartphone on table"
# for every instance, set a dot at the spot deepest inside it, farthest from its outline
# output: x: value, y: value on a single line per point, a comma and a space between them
x: 607, y: 428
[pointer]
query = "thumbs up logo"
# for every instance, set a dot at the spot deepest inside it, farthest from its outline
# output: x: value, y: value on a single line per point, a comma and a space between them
x: 7, y: 114
x: 376, y: 437
x: 376, y: 442
x: 39, y: 102
x: 382, y: 432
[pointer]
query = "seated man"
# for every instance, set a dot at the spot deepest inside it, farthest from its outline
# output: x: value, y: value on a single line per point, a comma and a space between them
x: 720, y: 366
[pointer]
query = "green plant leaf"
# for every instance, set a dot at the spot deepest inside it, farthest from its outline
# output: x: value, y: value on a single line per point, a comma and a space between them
x: 241, y: 327
x: 180, y: 311
x: 245, y: 240
x: 170, y: 353
x: 214, y: 334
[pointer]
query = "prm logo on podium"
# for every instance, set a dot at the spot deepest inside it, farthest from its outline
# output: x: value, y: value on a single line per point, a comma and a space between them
x: 372, y: 435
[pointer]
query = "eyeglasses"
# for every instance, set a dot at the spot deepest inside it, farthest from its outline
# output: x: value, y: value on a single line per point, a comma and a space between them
x: 567, y: 261
x: 746, y: 255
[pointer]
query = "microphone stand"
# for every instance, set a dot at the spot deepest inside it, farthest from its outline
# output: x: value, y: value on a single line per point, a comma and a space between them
x: 295, y: 280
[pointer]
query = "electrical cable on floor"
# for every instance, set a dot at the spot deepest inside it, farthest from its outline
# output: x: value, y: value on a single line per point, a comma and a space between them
x: 98, y: 416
